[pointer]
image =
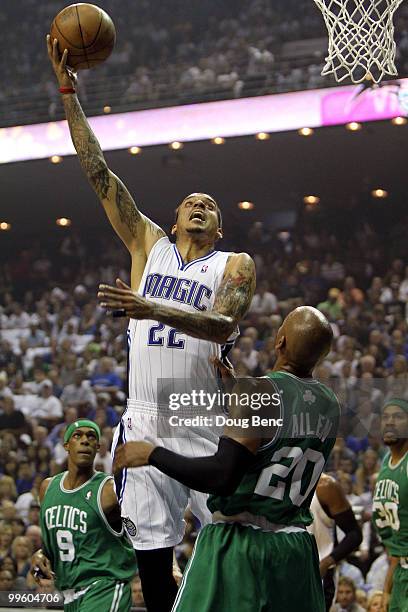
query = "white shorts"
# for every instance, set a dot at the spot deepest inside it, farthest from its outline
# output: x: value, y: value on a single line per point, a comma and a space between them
x: 153, y: 504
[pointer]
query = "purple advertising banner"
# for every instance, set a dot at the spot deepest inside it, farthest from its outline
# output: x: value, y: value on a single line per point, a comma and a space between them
x: 247, y: 116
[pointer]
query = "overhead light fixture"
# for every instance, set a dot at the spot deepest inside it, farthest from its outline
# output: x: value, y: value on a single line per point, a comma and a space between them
x: 107, y: 109
x: 306, y: 131
x: 135, y: 150
x: 63, y: 222
x: 176, y: 145
x: 284, y: 236
x: 399, y: 121
x: 262, y: 136
x: 379, y: 193
x: 245, y: 205
x: 218, y: 140
x: 4, y: 226
x: 311, y: 199
x: 56, y: 159
x: 354, y: 126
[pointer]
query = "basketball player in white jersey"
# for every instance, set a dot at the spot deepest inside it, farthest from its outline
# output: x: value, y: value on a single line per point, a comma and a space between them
x: 185, y: 301
x: 331, y: 509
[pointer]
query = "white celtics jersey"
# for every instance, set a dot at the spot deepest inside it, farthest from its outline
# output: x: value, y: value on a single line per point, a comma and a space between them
x: 160, y: 356
x: 323, y: 528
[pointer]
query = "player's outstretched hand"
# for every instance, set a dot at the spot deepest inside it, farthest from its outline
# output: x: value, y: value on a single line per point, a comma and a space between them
x: 66, y: 77
x: 41, y: 569
x: 132, y: 454
x: 122, y: 301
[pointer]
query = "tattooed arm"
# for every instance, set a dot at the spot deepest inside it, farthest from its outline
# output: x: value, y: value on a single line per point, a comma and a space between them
x: 232, y: 301
x: 137, y: 231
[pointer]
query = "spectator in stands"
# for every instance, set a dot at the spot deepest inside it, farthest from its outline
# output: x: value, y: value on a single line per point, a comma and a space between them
x: 71, y: 415
x: 103, y: 407
x: 7, y: 580
x: 6, y: 539
x: 22, y: 551
x: 37, y: 336
x: 105, y: 379
x: 79, y: 393
x: 331, y: 307
x: 7, y: 488
x: 346, y: 596
x: 25, y: 479
x: 11, y: 419
x: 264, y: 301
x: 48, y: 408
x: 365, y: 472
x: 103, y: 458
x: 33, y: 533
x: 248, y: 356
x: 374, y: 603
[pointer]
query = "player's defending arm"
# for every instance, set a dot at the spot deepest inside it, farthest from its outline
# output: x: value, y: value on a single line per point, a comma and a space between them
x: 232, y: 301
x: 41, y: 569
x: 331, y: 496
x: 218, y: 474
x: 137, y: 232
x: 110, y: 505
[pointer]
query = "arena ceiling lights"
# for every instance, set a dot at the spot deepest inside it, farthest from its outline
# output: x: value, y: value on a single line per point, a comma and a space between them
x: 197, y: 122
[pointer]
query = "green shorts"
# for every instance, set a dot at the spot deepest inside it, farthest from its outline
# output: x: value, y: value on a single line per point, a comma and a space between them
x: 399, y: 593
x: 240, y: 568
x: 103, y: 596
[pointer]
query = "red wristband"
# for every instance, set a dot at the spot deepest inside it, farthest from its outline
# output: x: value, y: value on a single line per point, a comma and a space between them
x: 67, y: 90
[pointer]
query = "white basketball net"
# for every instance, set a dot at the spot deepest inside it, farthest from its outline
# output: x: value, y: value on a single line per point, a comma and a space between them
x: 361, y: 38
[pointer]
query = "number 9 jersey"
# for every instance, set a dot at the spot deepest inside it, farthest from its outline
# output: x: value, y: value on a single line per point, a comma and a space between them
x: 390, y: 506
x: 77, y: 538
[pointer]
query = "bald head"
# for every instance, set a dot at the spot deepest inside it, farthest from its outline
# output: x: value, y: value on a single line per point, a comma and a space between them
x: 303, y: 339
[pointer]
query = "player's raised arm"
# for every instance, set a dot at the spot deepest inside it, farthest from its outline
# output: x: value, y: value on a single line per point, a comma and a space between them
x: 232, y: 301
x: 137, y: 232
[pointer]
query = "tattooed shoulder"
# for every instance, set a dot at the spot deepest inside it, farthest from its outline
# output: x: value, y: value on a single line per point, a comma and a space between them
x: 237, y: 287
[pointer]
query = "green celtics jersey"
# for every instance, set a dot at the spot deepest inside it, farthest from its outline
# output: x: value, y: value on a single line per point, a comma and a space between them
x: 77, y: 538
x: 281, y: 483
x: 390, y: 506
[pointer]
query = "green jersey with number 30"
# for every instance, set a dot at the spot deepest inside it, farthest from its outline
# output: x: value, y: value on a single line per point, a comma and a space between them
x: 77, y: 538
x: 281, y: 483
x: 390, y: 506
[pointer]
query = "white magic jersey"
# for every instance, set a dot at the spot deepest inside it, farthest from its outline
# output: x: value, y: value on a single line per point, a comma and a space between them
x: 323, y: 528
x: 159, y: 354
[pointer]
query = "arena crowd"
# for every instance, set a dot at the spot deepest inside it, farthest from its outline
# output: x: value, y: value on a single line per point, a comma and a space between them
x: 173, y: 53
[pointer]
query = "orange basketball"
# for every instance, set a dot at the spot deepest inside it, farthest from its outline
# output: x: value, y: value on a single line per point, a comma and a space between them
x: 87, y: 32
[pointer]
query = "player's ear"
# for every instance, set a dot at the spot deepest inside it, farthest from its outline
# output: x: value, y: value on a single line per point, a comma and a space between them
x: 66, y: 446
x: 174, y: 229
x: 220, y: 234
x: 280, y: 342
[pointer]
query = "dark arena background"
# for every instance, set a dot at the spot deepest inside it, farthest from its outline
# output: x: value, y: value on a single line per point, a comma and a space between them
x: 224, y: 98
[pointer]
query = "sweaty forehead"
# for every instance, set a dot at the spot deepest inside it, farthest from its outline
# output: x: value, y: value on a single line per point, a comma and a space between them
x: 85, y: 430
x: 199, y: 195
x: 392, y: 410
